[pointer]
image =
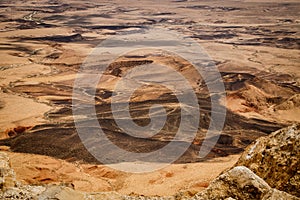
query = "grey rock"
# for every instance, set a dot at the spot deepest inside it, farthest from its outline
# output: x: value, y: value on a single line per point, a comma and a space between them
x: 275, y: 158
x: 275, y: 194
x: 238, y: 183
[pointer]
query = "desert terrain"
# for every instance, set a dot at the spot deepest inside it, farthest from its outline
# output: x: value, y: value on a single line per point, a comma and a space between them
x: 254, y: 44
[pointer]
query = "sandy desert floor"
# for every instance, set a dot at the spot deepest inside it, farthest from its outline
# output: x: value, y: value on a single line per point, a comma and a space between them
x: 254, y: 44
x: 187, y: 178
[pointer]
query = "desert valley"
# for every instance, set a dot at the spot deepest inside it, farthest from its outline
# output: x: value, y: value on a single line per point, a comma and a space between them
x: 255, y: 45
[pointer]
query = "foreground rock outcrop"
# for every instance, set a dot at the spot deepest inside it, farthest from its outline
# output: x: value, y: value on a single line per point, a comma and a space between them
x: 241, y: 183
x: 275, y: 158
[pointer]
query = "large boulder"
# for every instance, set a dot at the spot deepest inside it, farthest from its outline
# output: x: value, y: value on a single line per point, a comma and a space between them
x: 276, y: 159
x: 241, y: 183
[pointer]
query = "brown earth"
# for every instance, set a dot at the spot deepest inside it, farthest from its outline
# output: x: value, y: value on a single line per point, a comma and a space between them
x: 189, y: 178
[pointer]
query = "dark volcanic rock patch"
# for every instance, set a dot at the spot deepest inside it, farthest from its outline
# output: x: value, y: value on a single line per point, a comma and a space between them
x: 285, y: 42
x: 220, y: 8
x: 62, y: 141
x: 58, y: 38
x: 116, y: 27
